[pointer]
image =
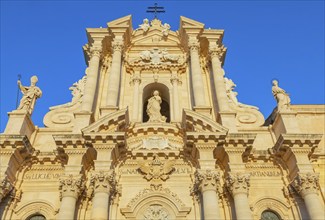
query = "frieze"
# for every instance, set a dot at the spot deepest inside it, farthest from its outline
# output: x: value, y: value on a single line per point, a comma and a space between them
x: 265, y: 173
x: 134, y: 171
x: 42, y: 176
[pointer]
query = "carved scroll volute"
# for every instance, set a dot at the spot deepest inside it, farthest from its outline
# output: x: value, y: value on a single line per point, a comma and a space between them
x: 238, y: 183
x: 206, y: 180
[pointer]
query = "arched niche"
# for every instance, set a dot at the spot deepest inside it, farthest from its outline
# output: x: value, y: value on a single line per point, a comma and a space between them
x: 165, y: 96
x: 274, y: 205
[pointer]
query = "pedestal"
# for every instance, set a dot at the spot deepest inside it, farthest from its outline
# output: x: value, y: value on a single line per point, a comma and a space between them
x: 19, y: 123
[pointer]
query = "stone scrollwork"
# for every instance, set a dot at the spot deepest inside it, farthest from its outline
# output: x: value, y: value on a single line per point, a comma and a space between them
x: 156, y: 170
x: 104, y: 182
x: 306, y: 183
x: 71, y: 186
x: 238, y: 183
x: 62, y: 115
x: 247, y: 115
x: 156, y: 212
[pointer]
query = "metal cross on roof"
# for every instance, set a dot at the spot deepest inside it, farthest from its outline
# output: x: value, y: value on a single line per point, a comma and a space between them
x: 156, y: 9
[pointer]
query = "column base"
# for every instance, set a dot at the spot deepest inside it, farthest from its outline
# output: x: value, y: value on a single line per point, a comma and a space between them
x: 20, y: 123
x: 204, y: 110
x: 107, y: 110
x: 82, y: 120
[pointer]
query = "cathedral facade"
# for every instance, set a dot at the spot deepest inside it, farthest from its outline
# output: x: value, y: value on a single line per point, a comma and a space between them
x: 154, y: 130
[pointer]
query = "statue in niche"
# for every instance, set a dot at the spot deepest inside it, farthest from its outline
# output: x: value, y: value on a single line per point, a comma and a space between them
x: 145, y: 26
x: 30, y: 94
x: 153, y: 108
x: 232, y: 95
x: 282, y: 98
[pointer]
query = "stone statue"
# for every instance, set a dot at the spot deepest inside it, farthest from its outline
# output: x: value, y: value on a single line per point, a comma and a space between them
x: 232, y: 95
x: 165, y: 30
x: 153, y: 108
x: 145, y: 26
x: 30, y: 94
x: 282, y: 98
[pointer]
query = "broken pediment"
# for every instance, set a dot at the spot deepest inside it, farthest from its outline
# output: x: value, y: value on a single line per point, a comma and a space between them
x: 190, y: 26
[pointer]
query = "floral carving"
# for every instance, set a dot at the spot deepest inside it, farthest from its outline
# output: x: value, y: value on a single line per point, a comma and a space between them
x: 117, y: 45
x: 306, y: 183
x: 193, y: 44
x: 205, y: 180
x: 238, y: 183
x: 217, y: 51
x: 156, y: 212
x: 156, y: 170
x: 71, y: 186
x: 5, y: 187
x: 104, y: 182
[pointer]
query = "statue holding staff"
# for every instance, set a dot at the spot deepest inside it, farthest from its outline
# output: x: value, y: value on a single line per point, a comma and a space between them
x: 30, y: 94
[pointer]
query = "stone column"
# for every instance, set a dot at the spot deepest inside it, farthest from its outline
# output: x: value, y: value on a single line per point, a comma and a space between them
x: 197, y: 80
x: 218, y: 77
x: 104, y: 186
x: 307, y: 186
x: 136, y: 80
x: 115, y: 74
x: 206, y: 183
x: 238, y: 185
x: 70, y: 187
x: 175, y: 81
x: 92, y: 78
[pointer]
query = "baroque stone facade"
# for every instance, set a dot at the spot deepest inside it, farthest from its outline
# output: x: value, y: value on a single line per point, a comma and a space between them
x: 154, y: 130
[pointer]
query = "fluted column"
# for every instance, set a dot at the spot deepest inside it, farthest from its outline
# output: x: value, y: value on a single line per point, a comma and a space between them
x: 206, y: 182
x: 104, y: 186
x: 238, y: 185
x: 136, y: 80
x: 307, y: 186
x: 70, y: 187
x: 115, y: 74
x: 175, y: 81
x: 92, y: 78
x: 197, y: 79
x: 218, y: 77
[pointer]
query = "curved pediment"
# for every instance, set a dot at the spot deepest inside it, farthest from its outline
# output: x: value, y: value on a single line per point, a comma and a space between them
x: 114, y: 122
x: 195, y: 122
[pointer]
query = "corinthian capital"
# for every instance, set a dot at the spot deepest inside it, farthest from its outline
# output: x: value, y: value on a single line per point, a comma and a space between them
x: 218, y: 52
x: 306, y: 183
x: 135, y: 79
x: 71, y: 186
x: 95, y: 51
x: 206, y: 180
x: 238, y: 183
x: 104, y: 182
x: 193, y: 44
x: 117, y: 45
x: 5, y: 187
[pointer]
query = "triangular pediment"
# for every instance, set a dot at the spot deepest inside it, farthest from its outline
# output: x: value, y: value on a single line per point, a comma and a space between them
x: 155, y: 38
x: 195, y: 122
x: 190, y: 26
x: 114, y: 122
x: 125, y: 21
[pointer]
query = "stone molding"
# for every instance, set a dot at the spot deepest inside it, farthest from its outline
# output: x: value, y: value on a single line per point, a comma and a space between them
x: 43, y: 207
x: 238, y: 183
x: 71, y: 186
x: 104, y: 182
x: 5, y: 187
x: 206, y: 180
x: 306, y: 183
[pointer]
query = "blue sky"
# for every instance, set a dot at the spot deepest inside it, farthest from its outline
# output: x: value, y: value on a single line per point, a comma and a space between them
x: 265, y: 40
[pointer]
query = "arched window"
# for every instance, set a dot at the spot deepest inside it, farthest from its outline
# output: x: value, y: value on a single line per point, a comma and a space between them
x: 270, y: 215
x: 36, y: 217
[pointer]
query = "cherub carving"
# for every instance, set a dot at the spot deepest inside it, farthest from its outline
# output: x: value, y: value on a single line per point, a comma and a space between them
x: 156, y: 169
x: 165, y: 30
x: 145, y: 26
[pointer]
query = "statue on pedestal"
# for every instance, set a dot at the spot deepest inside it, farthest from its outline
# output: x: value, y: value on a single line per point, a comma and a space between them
x: 282, y: 98
x: 30, y: 94
x: 153, y: 108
